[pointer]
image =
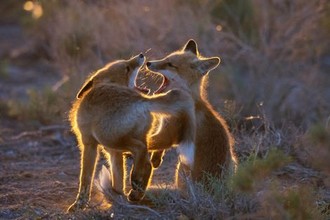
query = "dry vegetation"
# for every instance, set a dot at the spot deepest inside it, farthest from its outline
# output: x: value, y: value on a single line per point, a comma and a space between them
x: 275, y: 67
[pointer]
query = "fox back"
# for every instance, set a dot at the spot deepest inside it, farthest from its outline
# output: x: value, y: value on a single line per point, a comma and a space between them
x: 106, y: 93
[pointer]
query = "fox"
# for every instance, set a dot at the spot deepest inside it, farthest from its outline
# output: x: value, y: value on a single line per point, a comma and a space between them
x: 213, y: 152
x: 111, y: 115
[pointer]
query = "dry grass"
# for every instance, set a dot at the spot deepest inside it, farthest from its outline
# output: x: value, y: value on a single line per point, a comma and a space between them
x: 274, y: 67
x: 257, y: 49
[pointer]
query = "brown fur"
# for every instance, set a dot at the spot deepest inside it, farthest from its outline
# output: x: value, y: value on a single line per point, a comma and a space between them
x: 187, y: 70
x: 116, y: 117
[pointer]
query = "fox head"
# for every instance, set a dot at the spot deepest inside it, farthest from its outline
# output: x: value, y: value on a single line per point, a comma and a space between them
x: 183, y: 66
x: 120, y: 72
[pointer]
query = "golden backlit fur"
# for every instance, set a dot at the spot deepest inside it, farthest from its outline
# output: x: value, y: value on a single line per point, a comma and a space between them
x: 109, y: 114
x: 188, y: 70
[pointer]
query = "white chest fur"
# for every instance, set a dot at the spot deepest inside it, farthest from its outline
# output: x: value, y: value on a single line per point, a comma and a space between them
x: 187, y: 153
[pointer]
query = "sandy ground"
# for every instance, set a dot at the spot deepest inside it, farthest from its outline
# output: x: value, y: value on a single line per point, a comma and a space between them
x: 38, y: 168
x: 39, y: 174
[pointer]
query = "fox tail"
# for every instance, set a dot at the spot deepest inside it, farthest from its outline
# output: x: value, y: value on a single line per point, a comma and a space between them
x: 104, y: 182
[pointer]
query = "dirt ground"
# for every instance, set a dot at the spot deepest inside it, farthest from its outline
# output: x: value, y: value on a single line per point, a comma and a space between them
x: 39, y: 168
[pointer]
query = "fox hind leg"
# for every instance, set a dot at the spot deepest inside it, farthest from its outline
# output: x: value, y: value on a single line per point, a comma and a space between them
x: 182, y: 177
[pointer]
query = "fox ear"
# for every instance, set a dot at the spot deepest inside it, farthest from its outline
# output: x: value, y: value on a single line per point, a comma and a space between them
x: 84, y: 89
x: 191, y: 46
x: 206, y: 65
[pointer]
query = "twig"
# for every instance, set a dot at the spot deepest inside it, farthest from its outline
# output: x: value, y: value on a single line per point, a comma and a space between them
x: 39, y: 131
x: 123, y: 202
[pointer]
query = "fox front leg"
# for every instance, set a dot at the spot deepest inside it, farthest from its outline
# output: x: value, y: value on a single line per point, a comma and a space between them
x: 157, y: 158
x: 88, y: 161
x: 141, y: 170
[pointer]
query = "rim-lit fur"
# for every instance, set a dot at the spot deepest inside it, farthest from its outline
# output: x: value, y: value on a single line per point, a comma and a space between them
x: 109, y: 114
x: 186, y: 69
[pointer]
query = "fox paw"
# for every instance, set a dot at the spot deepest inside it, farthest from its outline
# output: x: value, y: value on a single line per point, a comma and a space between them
x: 77, y: 205
x: 135, y: 195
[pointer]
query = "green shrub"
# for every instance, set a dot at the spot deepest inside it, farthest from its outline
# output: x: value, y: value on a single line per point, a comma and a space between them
x: 253, y: 171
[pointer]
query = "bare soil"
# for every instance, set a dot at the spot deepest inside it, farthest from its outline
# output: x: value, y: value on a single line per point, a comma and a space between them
x: 39, y: 167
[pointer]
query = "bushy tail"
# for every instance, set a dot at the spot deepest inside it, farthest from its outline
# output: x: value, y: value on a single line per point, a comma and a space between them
x: 104, y: 182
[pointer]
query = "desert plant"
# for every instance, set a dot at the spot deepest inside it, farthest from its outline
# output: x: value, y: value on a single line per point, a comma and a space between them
x: 251, y: 172
x: 41, y: 107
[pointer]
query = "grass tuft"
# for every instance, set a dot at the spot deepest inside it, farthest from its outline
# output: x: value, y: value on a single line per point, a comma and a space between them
x: 252, y: 171
x: 41, y: 107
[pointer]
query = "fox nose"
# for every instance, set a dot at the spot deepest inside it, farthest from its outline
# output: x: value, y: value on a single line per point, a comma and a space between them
x: 148, y: 64
x: 141, y: 55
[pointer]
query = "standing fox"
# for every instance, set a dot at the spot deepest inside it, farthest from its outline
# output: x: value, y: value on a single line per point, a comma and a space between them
x: 109, y: 113
x: 213, y: 150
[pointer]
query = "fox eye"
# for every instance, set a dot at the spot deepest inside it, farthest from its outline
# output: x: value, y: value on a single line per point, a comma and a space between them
x: 171, y: 65
x: 127, y: 69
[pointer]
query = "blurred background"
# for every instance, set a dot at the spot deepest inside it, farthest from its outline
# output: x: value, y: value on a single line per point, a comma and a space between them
x: 275, y: 54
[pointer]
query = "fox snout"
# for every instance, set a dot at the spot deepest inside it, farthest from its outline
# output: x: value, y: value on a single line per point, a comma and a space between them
x: 157, y: 65
x: 150, y: 66
x: 137, y: 61
x: 140, y: 59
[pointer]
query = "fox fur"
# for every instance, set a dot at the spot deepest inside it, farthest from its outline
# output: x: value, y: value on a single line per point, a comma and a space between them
x: 109, y: 114
x: 213, y: 151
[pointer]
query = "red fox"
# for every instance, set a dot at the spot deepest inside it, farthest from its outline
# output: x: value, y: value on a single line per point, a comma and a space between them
x: 108, y: 113
x: 213, y: 152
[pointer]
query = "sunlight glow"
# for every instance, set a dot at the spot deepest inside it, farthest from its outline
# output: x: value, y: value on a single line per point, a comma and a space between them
x: 34, y: 8
x: 146, y: 8
x: 252, y: 117
x: 28, y: 6
x: 218, y: 27
x: 37, y: 11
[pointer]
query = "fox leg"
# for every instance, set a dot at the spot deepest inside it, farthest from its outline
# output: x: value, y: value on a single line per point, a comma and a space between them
x: 163, y: 138
x: 157, y: 158
x: 182, y: 177
x: 117, y: 171
x: 141, y: 170
x: 88, y: 161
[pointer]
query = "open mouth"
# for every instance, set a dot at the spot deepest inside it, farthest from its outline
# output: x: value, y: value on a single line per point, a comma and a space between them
x: 163, y: 86
x: 147, y: 91
x: 143, y: 90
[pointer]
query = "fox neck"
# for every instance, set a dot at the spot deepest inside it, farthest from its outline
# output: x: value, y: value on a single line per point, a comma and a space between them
x: 133, y: 77
x: 203, y: 87
x: 198, y: 89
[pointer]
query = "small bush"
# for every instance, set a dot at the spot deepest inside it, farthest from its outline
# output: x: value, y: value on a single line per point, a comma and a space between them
x: 41, y: 107
x: 252, y: 172
x: 291, y: 203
